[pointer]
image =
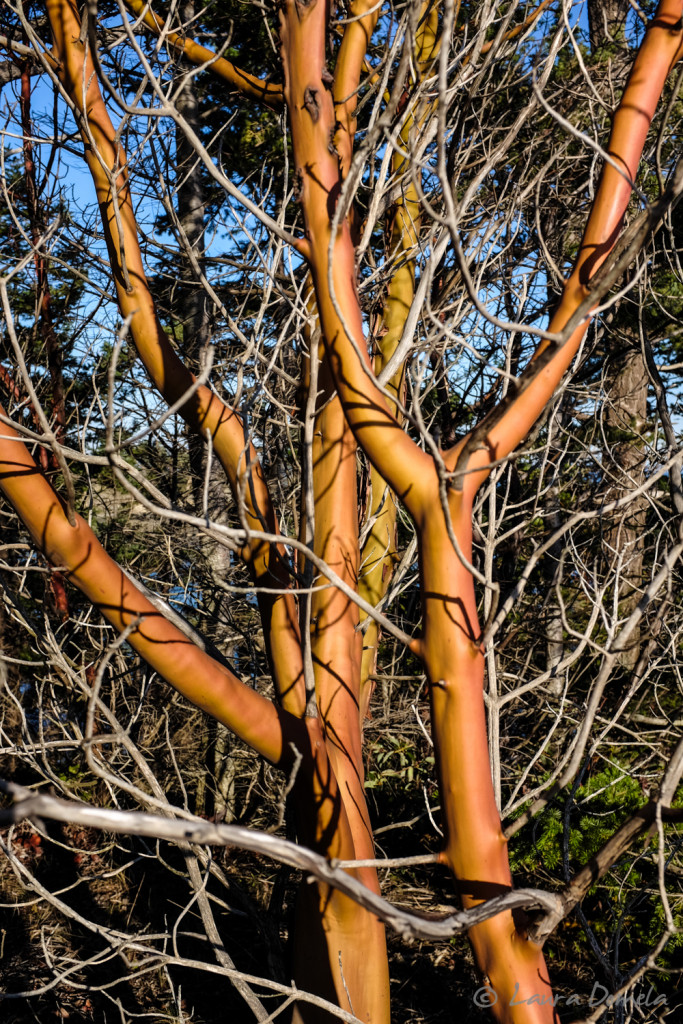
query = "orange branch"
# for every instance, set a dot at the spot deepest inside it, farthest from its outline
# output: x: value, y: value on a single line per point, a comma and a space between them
x: 402, y: 464
x: 336, y: 643
x: 355, y: 944
x: 518, y: 29
x: 191, y: 671
x: 204, y: 411
x: 249, y: 85
x: 475, y: 849
x: 498, y: 434
x: 347, y: 70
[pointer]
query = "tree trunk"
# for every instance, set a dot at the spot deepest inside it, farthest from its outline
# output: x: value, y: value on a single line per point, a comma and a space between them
x: 606, y: 21
x: 624, y: 463
x: 626, y: 387
x: 339, y: 947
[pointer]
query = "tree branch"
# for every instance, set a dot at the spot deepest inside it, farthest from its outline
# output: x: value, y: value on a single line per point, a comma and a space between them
x: 193, y: 672
x: 202, y: 410
x: 408, y: 924
x: 502, y: 431
x: 269, y: 93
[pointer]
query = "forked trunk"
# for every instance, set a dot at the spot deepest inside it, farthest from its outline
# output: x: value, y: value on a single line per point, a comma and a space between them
x: 339, y: 948
x: 441, y: 504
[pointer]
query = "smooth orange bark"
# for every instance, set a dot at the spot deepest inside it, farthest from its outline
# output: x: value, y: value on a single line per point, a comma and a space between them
x: 190, y: 670
x: 332, y: 955
x: 337, y: 646
x: 347, y: 72
x: 475, y: 848
x: 340, y: 948
x: 331, y: 928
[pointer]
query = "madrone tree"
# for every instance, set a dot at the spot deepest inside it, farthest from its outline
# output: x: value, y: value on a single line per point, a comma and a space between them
x: 362, y: 328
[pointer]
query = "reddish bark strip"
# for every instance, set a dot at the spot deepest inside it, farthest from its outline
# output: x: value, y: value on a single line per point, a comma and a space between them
x: 336, y: 938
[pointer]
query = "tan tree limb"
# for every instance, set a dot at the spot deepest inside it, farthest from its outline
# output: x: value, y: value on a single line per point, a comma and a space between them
x: 336, y: 641
x: 269, y: 93
x: 331, y: 528
x: 336, y: 647
x: 474, y: 848
x: 349, y: 63
x: 204, y: 411
x: 329, y: 524
x: 379, y: 551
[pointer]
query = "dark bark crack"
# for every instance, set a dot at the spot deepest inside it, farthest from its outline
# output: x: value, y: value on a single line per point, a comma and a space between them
x: 311, y: 103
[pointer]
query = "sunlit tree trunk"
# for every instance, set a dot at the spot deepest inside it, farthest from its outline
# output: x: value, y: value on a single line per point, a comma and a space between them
x: 450, y: 646
x: 339, y: 947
